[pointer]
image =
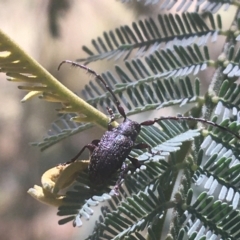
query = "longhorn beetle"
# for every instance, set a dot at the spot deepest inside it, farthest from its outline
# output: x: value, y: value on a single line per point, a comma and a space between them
x: 108, y: 154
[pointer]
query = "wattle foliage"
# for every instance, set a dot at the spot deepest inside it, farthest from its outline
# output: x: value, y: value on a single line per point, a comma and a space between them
x: 190, y: 190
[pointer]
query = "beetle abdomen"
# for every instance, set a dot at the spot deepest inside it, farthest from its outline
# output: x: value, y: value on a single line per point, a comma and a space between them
x: 108, y: 156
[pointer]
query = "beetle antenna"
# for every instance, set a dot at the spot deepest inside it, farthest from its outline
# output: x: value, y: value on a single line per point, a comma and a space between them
x: 151, y: 122
x: 99, y: 77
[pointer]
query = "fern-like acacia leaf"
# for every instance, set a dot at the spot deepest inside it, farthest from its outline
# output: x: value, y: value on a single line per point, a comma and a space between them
x: 157, y: 82
x: 212, y: 6
x: 222, y: 219
x: 148, y: 36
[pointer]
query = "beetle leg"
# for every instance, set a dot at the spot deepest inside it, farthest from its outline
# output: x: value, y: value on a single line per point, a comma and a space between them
x: 95, y: 142
x: 91, y: 146
x: 134, y: 162
x: 143, y: 145
x: 124, y: 170
x: 112, y: 118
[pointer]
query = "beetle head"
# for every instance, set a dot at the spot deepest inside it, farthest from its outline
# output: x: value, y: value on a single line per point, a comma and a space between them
x: 129, y: 129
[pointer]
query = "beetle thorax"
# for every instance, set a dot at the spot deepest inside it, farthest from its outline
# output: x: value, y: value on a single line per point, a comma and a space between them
x: 129, y: 129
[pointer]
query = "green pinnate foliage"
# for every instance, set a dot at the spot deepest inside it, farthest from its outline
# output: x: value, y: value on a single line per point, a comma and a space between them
x: 190, y: 189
